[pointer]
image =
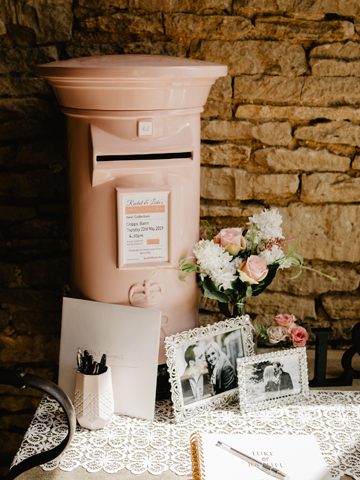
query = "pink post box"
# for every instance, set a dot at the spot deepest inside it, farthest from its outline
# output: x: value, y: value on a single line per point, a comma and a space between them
x: 134, y: 159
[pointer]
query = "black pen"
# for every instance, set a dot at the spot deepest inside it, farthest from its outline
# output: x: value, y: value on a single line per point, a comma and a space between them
x: 274, y: 472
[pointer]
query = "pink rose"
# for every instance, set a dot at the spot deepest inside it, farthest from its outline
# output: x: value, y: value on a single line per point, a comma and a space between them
x: 285, y: 320
x: 277, y: 333
x: 231, y: 239
x: 299, y: 336
x: 253, y: 270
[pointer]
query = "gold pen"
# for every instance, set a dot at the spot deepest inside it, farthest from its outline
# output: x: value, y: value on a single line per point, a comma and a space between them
x: 274, y: 472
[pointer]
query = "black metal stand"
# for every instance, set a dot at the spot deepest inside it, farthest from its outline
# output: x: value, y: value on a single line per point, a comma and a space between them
x: 163, y: 384
x: 349, y: 373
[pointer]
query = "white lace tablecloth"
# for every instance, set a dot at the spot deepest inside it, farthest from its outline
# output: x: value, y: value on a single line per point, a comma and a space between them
x: 140, y: 445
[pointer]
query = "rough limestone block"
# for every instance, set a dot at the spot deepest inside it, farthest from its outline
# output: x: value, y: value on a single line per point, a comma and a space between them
x: 273, y: 133
x: 16, y: 87
x: 225, y: 154
x: 50, y: 21
x: 50, y: 271
x: 13, y: 403
x: 268, y: 89
x: 2, y: 27
x: 39, y: 246
x: 295, y: 114
x: 329, y: 187
x: 228, y: 211
x: 32, y: 184
x: 333, y: 132
x: 356, y: 163
x: 312, y: 283
x: 124, y: 24
x: 217, y: 183
x: 16, y: 214
x: 39, y: 152
x: 174, y: 6
x: 341, y: 51
x: 155, y: 48
x: 334, y: 68
x: 215, y: 109
x: 338, y: 7
x: 312, y: 91
x: 275, y: 303
x: 221, y: 90
x: 25, y: 128
x: 8, y: 275
x: 342, y: 306
x: 296, y: 30
x: 27, y: 321
x: 302, y: 159
x: 13, y: 108
x: 215, y: 27
x: 328, y: 232
x: 24, y: 60
x: 30, y: 348
x: 40, y: 228
x: 357, y: 25
x: 254, y: 57
x: 328, y: 91
x: 249, y: 186
x: 31, y: 299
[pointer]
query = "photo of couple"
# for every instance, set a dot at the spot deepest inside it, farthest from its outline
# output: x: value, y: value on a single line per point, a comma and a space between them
x: 273, y: 379
x: 209, y: 366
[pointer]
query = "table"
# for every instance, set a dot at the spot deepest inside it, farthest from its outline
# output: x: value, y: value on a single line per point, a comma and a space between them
x: 124, y: 474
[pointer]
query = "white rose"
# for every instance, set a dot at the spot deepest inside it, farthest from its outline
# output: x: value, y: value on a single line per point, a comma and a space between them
x: 276, y: 333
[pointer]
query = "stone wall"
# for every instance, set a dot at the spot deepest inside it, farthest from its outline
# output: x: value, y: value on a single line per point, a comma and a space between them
x: 283, y: 129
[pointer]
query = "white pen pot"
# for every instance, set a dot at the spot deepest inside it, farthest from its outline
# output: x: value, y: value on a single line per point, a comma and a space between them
x: 94, y: 399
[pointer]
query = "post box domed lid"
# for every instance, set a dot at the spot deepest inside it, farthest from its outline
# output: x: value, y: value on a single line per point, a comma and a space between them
x: 131, y: 66
x: 131, y: 82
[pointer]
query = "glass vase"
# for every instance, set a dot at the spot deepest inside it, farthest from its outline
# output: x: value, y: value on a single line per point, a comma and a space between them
x: 237, y: 309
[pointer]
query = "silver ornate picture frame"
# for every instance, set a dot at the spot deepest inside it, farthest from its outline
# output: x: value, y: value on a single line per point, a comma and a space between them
x: 202, y: 365
x: 272, y: 379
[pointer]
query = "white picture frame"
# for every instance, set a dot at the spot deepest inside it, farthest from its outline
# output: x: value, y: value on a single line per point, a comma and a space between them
x: 272, y: 379
x: 202, y: 365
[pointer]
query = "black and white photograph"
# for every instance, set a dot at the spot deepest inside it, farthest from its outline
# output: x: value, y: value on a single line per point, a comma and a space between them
x: 203, y: 368
x: 209, y: 366
x: 271, y: 378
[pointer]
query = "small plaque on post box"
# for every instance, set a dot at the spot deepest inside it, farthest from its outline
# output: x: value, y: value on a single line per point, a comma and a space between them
x: 144, y: 227
x: 145, y: 129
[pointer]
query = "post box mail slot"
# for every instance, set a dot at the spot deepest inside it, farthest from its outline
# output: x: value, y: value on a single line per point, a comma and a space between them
x: 134, y: 162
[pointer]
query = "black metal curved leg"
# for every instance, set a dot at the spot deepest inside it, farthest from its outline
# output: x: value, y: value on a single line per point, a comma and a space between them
x: 33, y: 381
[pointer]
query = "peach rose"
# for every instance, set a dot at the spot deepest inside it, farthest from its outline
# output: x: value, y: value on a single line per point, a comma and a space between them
x: 298, y: 335
x: 231, y: 239
x: 253, y: 270
x: 285, y: 320
x: 277, y: 333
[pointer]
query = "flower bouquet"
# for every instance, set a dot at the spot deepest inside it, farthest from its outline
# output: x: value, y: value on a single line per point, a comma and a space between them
x: 285, y: 332
x: 238, y: 263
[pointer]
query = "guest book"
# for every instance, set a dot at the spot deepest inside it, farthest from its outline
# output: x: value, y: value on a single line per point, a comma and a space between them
x: 298, y: 456
x: 129, y: 337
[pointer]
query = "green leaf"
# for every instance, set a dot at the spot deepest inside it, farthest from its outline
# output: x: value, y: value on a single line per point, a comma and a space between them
x: 183, y: 260
x: 189, y: 267
x: 297, y: 275
x: 211, y: 291
x: 249, y: 291
x: 182, y: 279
